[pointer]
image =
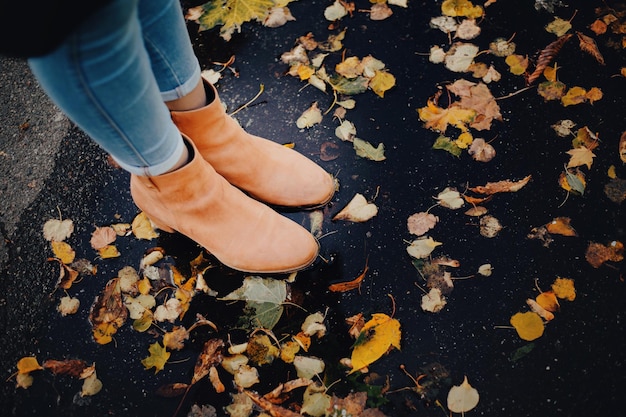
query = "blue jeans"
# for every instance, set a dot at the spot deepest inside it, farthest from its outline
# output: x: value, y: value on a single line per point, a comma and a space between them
x: 113, y: 74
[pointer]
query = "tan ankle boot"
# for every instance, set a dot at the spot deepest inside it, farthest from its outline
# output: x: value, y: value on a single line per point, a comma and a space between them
x: 264, y: 169
x: 241, y: 232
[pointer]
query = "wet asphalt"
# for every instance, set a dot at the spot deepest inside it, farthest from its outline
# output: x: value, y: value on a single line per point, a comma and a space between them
x: 576, y: 368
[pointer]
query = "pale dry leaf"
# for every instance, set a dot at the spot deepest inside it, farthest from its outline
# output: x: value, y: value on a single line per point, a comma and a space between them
x: 481, y: 151
x: 460, y: 56
x: 450, y: 198
x: 277, y: 16
x: 420, y: 223
x: 437, y: 55
x: 580, y: 156
x: 468, y: 29
x: 563, y: 128
x: 485, y: 270
x: 346, y: 131
x: 366, y: 150
x: 476, y: 211
x: 58, y: 230
x: 490, y: 226
x: 68, y: 305
x: 434, y: 301
x: 102, y: 237
x: 421, y: 248
x: 168, y: 311
x: 462, y: 398
x: 380, y: 11
x: 358, y: 210
x: 307, y: 367
x: 246, y: 376
x: 335, y: 11
x: 310, y: 117
x: 446, y: 24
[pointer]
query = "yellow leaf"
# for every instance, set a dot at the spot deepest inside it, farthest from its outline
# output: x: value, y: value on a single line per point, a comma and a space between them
x: 157, y: 359
x: 142, y: 228
x: 464, y: 140
x: 382, y: 82
x: 103, y: 333
x: 564, y: 288
x: 305, y: 71
x: 594, y: 94
x: 23, y: 381
x: 63, y: 251
x: 580, y: 156
x: 376, y: 338
x: 517, y: 64
x: 232, y: 14
x: 358, y: 210
x: 574, y: 95
x: 28, y: 364
x: 461, y: 8
x: 550, y: 73
x: 528, y: 325
x: 438, y: 119
x: 108, y: 252
x: 144, y: 286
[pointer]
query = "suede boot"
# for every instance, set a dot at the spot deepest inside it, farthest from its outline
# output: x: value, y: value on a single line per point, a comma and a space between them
x: 241, y: 232
x: 264, y: 169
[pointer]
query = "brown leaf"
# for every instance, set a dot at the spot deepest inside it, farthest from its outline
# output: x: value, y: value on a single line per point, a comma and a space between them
x: 329, y: 151
x: 273, y: 409
x: 589, y: 46
x: 546, y: 56
x: 349, y: 285
x: 172, y: 390
x: 356, y: 323
x: 501, y: 186
x: 108, y: 306
x: 481, y: 151
x: 598, y: 253
x: 211, y: 355
x: 71, y: 367
x: 67, y: 275
x: 622, y: 147
x: 420, y: 223
x: 615, y: 190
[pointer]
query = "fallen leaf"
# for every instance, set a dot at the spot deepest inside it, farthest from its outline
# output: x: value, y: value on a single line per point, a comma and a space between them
x: 588, y: 45
x: 58, y: 230
x: 68, y: 305
x: 528, y: 325
x: 517, y: 63
x: 551, y: 90
x: 489, y: 226
x: 559, y: 26
x: 349, y: 285
x: 420, y: 223
x: 102, y: 237
x: 462, y: 398
x: 175, y: 339
x: 346, y: 131
x: 438, y: 119
x: 358, y: 210
x: 71, y: 367
x: 561, y: 226
x: 573, y: 96
x: 91, y: 386
x: 376, y: 338
x: 481, y: 151
x: 548, y: 300
x: 461, y: 8
x: 381, y: 82
x: 485, y: 270
x: 336, y: 11
x: 210, y: 356
x: 315, y: 401
x: 502, y: 47
x: 597, y: 253
x: 63, y: 252
x: 460, y: 56
x: 277, y: 16
x: 537, y: 308
x: 450, y: 198
x: 434, y: 301
x: 310, y: 117
x: 28, y: 364
x: 580, y: 156
x: 573, y: 180
x: 422, y: 247
x: 564, y: 127
x: 230, y: 14
x: 564, y: 288
x: 366, y: 150
x: 157, y: 359
x: 622, y: 147
x: 108, y: 252
x: 468, y: 29
x: 503, y: 186
x: 308, y: 367
x: 142, y: 227
x: 168, y: 311
x: 246, y: 376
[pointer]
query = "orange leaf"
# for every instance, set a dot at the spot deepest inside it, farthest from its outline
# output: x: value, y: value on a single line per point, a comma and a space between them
x: 548, y: 300
x: 622, y: 147
x: 63, y: 251
x: 349, y: 285
x: 561, y: 226
x: 501, y: 186
x: 564, y: 288
x: 528, y: 325
x: 598, y: 253
x: 28, y: 364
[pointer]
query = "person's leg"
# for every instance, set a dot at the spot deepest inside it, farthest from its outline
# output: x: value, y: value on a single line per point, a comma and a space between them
x: 102, y: 79
x: 266, y: 170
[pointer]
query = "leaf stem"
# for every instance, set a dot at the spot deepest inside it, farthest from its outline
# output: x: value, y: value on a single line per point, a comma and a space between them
x: 261, y: 89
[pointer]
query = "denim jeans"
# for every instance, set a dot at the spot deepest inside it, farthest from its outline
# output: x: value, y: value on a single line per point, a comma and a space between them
x: 112, y: 75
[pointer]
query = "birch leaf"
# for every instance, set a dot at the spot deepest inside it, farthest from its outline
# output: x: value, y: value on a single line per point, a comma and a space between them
x: 310, y: 117
x: 358, y: 210
x: 450, y: 198
x: 58, y: 230
x: 421, y: 248
x: 462, y: 398
x: 434, y: 301
x: 420, y: 223
x: 528, y: 325
x: 376, y: 338
x: 260, y: 290
x: 460, y: 56
x: 382, y: 82
x: 308, y: 367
